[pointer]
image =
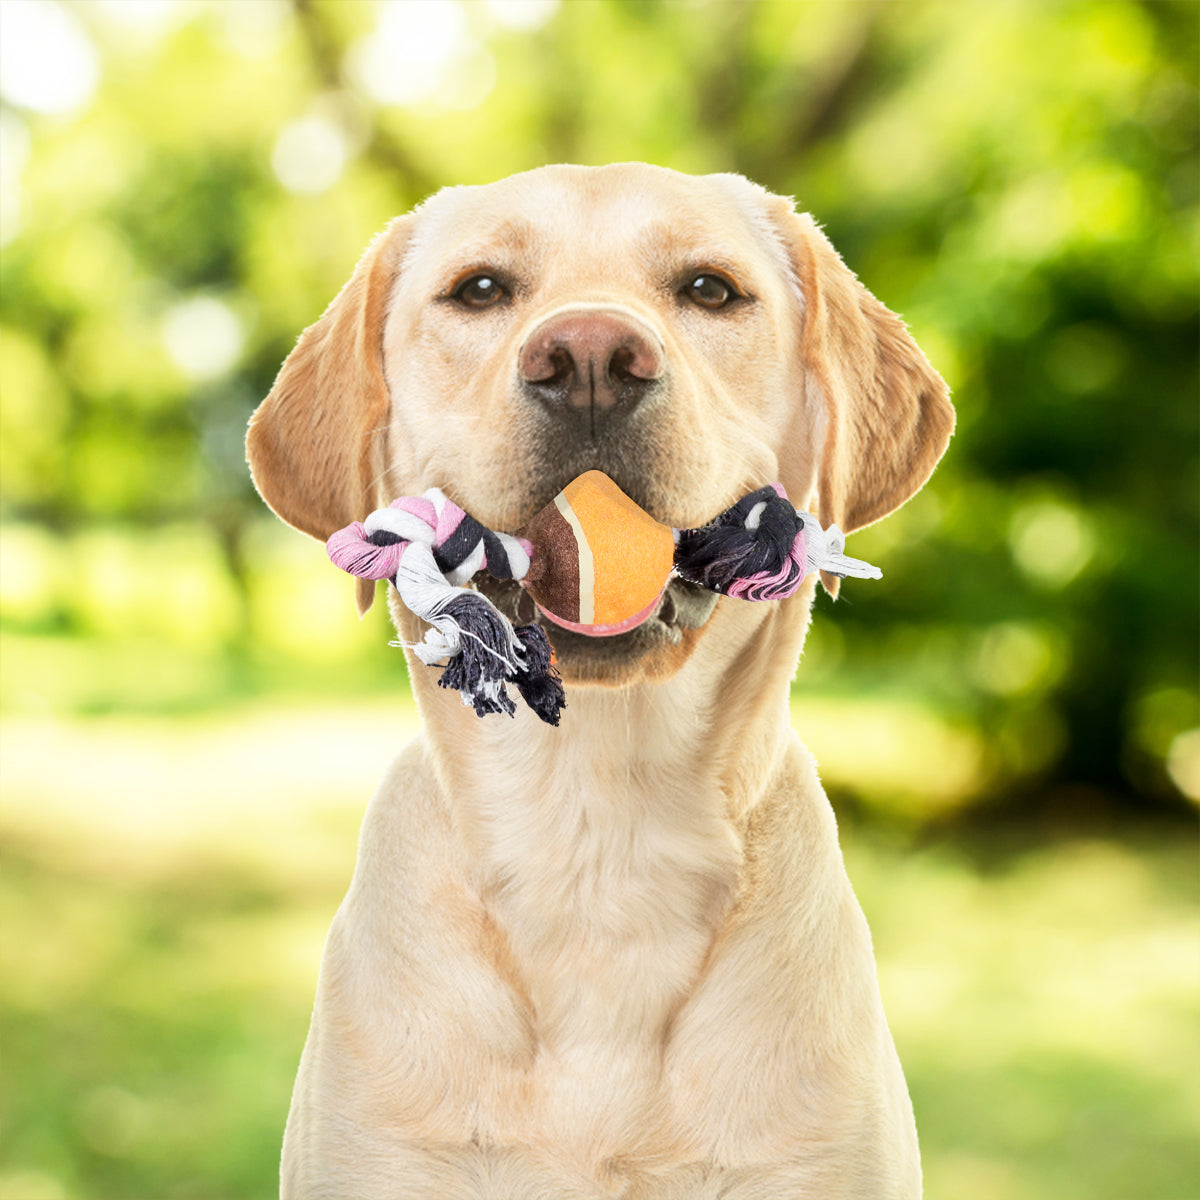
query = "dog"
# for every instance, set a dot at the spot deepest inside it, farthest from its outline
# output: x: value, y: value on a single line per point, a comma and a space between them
x: 618, y: 958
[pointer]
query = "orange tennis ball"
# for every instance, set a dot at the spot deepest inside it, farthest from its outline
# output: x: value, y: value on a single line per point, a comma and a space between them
x: 600, y: 562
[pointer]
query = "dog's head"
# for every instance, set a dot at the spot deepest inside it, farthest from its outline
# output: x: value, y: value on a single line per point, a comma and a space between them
x: 694, y: 338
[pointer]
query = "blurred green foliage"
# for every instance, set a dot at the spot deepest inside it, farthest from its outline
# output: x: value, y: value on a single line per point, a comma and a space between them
x: 1019, y: 179
x: 184, y: 184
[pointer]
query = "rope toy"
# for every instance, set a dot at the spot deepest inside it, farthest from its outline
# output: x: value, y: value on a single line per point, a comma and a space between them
x: 593, y: 562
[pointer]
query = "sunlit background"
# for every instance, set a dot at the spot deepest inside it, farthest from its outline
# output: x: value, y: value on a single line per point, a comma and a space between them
x: 193, y: 718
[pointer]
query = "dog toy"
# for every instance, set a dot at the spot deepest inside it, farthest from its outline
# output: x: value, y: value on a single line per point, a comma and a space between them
x: 593, y: 562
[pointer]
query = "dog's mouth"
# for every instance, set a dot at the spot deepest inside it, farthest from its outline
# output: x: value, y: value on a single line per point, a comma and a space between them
x: 652, y: 649
x: 683, y: 607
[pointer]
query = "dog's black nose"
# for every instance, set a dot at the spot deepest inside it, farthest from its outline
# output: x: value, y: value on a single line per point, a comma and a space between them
x: 590, y: 362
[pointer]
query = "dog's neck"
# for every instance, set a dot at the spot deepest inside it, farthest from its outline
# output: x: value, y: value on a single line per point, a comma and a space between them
x: 613, y: 834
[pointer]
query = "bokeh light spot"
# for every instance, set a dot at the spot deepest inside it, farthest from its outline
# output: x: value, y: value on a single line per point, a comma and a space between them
x: 1015, y: 659
x: 112, y: 1120
x: 468, y: 80
x: 1183, y: 763
x: 1051, y: 542
x: 1159, y: 715
x: 47, y: 61
x: 203, y: 336
x: 151, y: 17
x: 32, y: 564
x: 407, y: 57
x: 1031, y: 221
x: 255, y: 28
x: 309, y: 155
x: 522, y: 14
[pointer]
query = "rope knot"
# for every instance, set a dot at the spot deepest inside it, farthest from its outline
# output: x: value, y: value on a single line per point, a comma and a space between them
x: 754, y: 550
x: 429, y: 547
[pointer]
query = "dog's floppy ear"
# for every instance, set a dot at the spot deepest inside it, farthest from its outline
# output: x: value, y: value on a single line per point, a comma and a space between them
x: 887, y: 413
x: 316, y: 443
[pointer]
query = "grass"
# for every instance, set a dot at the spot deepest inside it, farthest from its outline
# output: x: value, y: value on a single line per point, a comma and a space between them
x: 167, y: 885
x: 1045, y: 1010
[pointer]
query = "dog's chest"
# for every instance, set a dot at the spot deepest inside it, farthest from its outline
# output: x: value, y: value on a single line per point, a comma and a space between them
x: 607, y: 887
x: 608, y: 899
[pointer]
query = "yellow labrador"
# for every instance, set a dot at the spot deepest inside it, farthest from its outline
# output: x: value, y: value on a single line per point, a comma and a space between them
x: 620, y: 957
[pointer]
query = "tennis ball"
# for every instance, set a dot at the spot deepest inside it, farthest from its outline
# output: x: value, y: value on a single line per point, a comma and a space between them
x: 600, y: 562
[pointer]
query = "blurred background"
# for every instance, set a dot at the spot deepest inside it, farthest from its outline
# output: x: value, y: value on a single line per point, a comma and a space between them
x: 193, y: 718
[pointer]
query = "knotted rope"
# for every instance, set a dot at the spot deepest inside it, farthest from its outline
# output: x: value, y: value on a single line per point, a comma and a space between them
x: 761, y: 548
x: 428, y: 547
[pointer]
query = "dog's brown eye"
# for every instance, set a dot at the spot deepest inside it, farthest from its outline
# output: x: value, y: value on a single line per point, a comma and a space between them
x: 480, y: 291
x: 709, y: 291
